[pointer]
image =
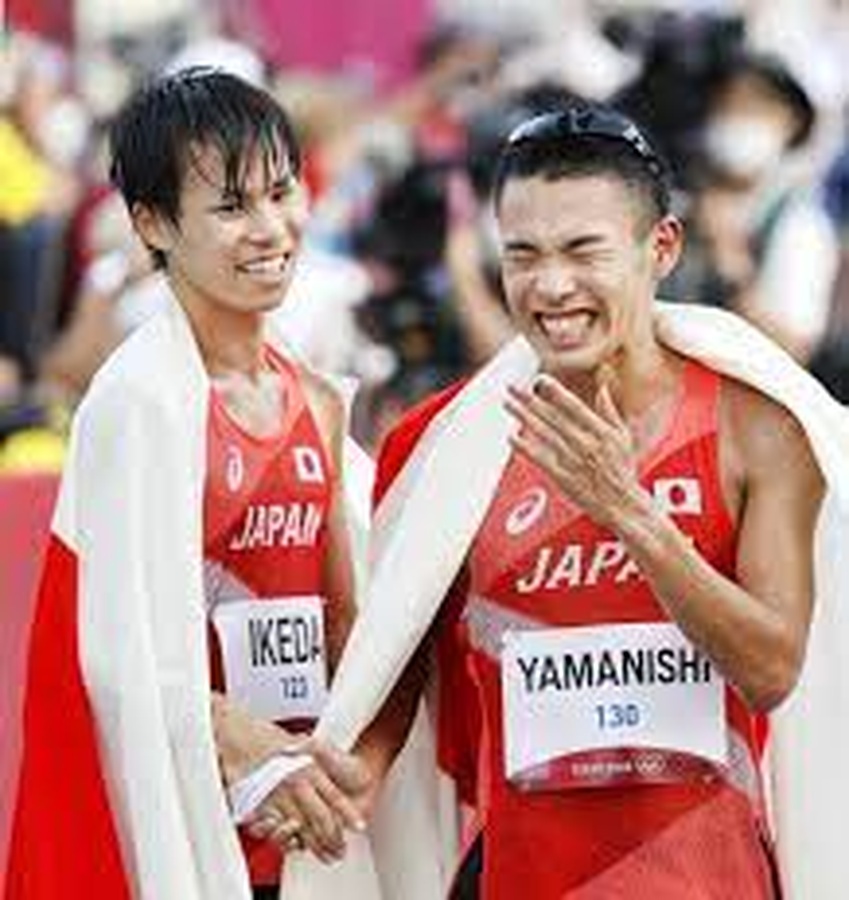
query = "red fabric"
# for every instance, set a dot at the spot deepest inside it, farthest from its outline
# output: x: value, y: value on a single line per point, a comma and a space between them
x: 250, y: 480
x: 26, y: 502
x: 64, y: 842
x: 589, y: 830
x: 247, y: 475
x: 402, y: 439
x: 459, y: 724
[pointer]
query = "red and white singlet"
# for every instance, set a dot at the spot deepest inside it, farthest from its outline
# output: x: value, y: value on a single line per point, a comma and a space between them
x: 266, y: 507
x: 627, y: 820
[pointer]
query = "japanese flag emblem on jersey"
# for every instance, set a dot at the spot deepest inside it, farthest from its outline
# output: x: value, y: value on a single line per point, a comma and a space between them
x: 678, y: 496
x: 308, y: 465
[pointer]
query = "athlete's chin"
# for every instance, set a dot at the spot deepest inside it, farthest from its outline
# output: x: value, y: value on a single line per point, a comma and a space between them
x: 573, y: 361
x: 268, y: 300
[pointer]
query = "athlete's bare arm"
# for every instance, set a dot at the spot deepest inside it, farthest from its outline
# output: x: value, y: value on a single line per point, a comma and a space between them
x: 754, y: 629
x: 329, y: 412
x: 381, y: 742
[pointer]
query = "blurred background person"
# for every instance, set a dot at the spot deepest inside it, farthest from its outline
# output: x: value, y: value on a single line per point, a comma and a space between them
x: 762, y: 241
x: 399, y: 131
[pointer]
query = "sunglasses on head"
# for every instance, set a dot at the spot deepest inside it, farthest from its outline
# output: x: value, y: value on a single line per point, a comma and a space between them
x: 586, y: 122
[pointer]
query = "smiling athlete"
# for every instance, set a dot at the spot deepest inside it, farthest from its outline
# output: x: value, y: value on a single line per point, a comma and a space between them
x: 201, y: 540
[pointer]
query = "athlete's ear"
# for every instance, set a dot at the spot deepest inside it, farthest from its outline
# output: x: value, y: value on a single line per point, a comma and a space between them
x: 667, y: 242
x: 156, y: 232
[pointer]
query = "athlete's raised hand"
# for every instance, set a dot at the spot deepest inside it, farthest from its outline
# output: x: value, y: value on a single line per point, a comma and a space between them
x: 588, y: 451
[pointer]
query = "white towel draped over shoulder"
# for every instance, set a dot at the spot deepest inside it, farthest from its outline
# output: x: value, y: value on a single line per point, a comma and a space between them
x: 130, y: 510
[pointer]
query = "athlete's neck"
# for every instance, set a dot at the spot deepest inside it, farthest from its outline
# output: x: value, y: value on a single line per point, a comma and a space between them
x: 230, y: 341
x: 637, y: 379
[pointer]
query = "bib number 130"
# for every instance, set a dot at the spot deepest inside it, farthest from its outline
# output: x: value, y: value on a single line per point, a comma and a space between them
x: 617, y: 716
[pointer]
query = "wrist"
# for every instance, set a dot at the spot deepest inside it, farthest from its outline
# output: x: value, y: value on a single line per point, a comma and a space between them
x: 376, y: 757
x: 642, y: 527
x: 243, y: 741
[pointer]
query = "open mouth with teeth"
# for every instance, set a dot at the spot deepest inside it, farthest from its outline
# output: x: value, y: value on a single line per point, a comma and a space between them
x: 271, y: 268
x: 566, y: 330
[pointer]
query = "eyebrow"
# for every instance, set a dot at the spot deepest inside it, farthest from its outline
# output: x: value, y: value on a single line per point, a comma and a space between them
x: 285, y: 179
x: 583, y: 242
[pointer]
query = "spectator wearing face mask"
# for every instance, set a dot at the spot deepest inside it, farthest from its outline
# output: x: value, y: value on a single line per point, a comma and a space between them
x: 762, y: 242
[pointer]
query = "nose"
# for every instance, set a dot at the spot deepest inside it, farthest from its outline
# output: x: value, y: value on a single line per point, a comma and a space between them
x: 271, y: 223
x: 555, y: 280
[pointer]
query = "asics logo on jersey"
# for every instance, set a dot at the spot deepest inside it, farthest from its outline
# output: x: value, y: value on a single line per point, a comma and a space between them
x: 234, y: 469
x: 527, y: 512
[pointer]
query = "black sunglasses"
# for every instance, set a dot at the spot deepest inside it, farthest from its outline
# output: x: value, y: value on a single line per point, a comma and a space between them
x: 589, y: 122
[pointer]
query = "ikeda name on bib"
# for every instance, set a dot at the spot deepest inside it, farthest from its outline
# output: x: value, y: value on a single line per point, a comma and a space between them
x: 285, y: 640
x: 626, y: 667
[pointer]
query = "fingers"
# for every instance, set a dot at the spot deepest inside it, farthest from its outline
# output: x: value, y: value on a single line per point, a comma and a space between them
x: 539, y: 422
x: 321, y: 811
x: 286, y: 833
x: 316, y: 804
x: 346, y: 770
x: 322, y: 831
x: 538, y: 452
x: 275, y: 821
x: 566, y: 405
x: 607, y: 408
x: 341, y: 804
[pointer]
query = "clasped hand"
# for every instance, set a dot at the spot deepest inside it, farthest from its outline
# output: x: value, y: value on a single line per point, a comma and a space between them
x: 314, y: 806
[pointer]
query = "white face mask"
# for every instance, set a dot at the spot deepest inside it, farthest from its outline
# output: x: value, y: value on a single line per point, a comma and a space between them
x: 742, y: 146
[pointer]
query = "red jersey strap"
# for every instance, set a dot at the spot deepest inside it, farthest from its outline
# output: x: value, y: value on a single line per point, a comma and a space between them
x: 402, y: 439
x: 695, y: 416
x: 294, y: 407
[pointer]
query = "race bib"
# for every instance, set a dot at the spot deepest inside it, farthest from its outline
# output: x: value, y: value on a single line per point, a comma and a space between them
x: 274, y: 654
x: 610, y: 705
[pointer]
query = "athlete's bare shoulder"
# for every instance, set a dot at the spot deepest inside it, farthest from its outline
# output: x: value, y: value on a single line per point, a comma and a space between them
x: 326, y: 404
x: 763, y: 441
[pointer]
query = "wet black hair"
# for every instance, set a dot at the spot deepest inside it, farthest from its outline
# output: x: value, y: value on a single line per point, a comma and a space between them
x: 583, y: 139
x: 155, y: 136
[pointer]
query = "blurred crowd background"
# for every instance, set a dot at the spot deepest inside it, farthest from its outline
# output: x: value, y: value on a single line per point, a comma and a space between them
x: 400, y: 105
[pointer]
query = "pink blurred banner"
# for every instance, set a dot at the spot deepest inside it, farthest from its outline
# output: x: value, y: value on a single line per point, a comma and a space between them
x: 52, y: 19
x: 377, y: 37
x: 26, y: 503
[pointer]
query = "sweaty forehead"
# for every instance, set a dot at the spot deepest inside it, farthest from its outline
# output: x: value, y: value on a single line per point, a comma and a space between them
x: 540, y: 209
x: 207, y: 168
